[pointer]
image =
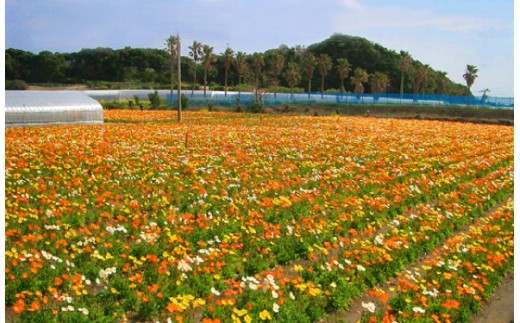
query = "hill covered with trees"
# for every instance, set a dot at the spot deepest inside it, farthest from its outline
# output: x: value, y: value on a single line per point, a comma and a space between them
x: 339, y: 63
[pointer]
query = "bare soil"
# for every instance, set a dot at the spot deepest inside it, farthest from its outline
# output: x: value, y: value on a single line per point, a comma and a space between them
x: 501, y: 307
x: 442, y: 113
x: 480, y: 115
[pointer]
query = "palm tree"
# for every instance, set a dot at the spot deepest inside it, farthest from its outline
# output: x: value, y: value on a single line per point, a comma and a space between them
x: 360, y: 76
x: 309, y: 62
x: 258, y: 64
x: 417, y: 79
x: 324, y: 65
x: 292, y: 76
x: 441, y: 80
x: 207, y: 60
x: 343, y: 68
x: 242, y: 68
x: 470, y: 76
x: 405, y: 62
x: 379, y: 82
x: 196, y: 53
x: 425, y: 75
x: 228, y: 58
x: 171, y: 48
x: 276, y: 64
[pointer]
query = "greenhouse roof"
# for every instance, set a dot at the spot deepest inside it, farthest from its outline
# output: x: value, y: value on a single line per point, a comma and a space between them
x: 50, y: 107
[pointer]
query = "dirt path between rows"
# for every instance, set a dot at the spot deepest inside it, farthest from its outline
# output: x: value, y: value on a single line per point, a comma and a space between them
x: 499, y: 309
x: 501, y: 306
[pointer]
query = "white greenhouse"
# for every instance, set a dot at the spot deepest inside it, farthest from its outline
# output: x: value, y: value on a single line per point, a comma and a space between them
x: 29, y: 108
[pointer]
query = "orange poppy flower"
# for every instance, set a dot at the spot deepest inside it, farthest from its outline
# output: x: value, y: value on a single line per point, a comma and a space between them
x: 19, y: 306
x: 451, y: 304
x: 34, y: 306
x: 58, y: 281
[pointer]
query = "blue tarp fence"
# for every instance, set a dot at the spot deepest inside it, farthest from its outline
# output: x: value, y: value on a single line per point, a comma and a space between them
x: 268, y: 99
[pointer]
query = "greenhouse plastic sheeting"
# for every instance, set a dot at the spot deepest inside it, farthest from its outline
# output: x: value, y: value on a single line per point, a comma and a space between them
x: 26, y: 108
x: 126, y: 94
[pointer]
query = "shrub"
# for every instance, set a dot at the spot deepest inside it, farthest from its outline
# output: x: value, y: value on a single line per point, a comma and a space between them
x: 216, y: 88
x: 257, y: 106
x: 16, y: 85
x: 242, y: 88
x: 114, y: 104
x: 155, y: 101
x: 184, y: 102
x: 283, y: 89
x: 239, y: 107
x: 100, y: 85
x: 332, y: 90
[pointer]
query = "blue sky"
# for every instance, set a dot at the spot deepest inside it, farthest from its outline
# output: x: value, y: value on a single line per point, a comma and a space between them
x: 445, y: 34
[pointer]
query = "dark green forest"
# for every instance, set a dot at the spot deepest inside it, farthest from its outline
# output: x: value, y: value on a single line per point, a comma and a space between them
x: 339, y: 63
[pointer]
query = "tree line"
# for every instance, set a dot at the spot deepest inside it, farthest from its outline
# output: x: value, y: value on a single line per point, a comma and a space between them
x: 340, y: 63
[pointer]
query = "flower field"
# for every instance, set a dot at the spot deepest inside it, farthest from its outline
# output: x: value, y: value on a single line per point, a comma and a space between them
x: 246, y: 218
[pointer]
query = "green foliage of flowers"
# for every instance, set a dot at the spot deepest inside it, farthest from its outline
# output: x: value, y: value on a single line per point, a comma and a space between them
x: 244, y: 217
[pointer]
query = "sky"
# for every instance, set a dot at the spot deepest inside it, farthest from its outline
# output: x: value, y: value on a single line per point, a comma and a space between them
x: 445, y: 34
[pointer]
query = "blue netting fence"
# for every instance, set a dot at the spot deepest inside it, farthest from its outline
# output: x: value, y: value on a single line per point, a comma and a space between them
x: 219, y: 98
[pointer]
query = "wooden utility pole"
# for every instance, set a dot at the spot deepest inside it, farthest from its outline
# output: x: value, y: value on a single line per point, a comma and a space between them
x: 179, y: 116
x: 171, y: 48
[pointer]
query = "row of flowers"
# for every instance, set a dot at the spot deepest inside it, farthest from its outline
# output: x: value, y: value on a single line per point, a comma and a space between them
x: 232, y: 217
x: 362, y: 263
x: 455, y: 281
